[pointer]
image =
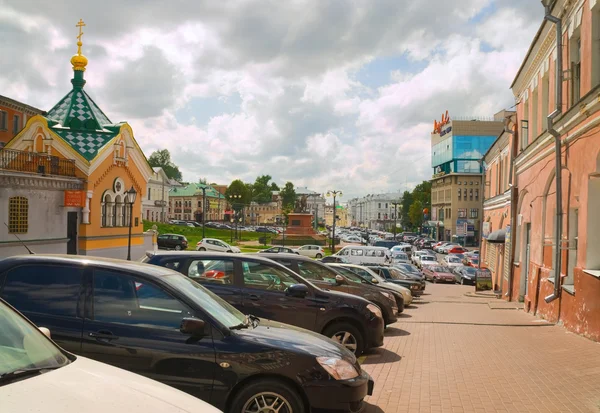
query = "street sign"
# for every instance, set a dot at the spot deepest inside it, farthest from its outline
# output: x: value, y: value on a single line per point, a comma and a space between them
x: 74, y: 199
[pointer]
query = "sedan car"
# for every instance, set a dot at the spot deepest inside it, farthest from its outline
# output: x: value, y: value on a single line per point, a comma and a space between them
x: 157, y: 322
x: 451, y: 261
x: 426, y: 260
x: 457, y: 250
x: 393, y: 275
x: 38, y: 376
x: 312, y: 251
x: 438, y: 273
x: 213, y: 244
x: 465, y: 275
x: 278, y: 250
x: 172, y: 242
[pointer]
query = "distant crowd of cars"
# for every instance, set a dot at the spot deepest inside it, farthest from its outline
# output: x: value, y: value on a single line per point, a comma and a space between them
x: 222, y: 225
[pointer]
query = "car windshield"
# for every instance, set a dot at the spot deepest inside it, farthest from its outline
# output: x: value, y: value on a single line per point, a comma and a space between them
x: 470, y: 270
x: 453, y: 259
x: 408, y: 268
x: 24, y: 347
x: 438, y: 268
x: 218, y: 308
x: 396, y: 275
x: 427, y: 258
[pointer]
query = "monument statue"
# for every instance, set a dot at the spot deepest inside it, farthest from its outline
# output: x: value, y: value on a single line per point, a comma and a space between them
x: 301, y: 207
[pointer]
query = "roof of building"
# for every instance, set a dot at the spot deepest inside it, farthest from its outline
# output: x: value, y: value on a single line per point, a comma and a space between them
x: 15, y: 103
x: 195, y: 189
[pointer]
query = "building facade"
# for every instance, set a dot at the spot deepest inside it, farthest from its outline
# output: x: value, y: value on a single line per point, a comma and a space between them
x: 269, y: 213
x: 496, y: 252
x: 13, y: 117
x: 566, y: 293
x: 76, y: 139
x: 375, y: 211
x: 155, y: 204
x: 457, y: 147
x: 186, y: 203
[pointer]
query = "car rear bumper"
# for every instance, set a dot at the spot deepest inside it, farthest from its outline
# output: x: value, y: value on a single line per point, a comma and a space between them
x: 374, y: 332
x: 343, y: 395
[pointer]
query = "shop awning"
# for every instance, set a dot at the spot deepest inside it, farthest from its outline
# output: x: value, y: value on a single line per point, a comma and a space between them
x: 497, y: 236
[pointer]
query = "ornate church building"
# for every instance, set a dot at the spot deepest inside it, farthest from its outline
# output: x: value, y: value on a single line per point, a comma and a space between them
x: 78, y: 180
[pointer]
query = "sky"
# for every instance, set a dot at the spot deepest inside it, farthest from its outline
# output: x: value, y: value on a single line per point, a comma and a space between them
x: 329, y: 94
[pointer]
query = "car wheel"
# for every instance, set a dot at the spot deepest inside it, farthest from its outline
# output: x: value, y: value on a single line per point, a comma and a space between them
x: 435, y: 280
x: 267, y: 396
x: 462, y: 281
x: 347, y: 335
x: 229, y: 251
x: 201, y: 249
x: 177, y: 247
x: 319, y: 255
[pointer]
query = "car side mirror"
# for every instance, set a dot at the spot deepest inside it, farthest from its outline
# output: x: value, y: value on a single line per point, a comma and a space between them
x: 339, y: 280
x: 192, y: 326
x: 374, y: 280
x: 45, y: 332
x: 297, y: 290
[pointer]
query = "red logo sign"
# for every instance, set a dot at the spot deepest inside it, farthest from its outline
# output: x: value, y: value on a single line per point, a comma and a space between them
x: 74, y: 198
x: 437, y: 127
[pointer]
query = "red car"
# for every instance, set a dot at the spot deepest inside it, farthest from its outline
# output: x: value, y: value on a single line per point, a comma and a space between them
x: 438, y: 273
x: 472, y: 261
x: 457, y: 250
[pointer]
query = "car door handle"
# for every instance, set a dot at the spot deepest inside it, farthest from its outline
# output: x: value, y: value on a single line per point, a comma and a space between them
x: 103, y: 335
x: 254, y: 297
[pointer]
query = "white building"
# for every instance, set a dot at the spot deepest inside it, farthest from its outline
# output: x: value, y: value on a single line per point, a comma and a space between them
x: 155, y: 205
x: 375, y: 211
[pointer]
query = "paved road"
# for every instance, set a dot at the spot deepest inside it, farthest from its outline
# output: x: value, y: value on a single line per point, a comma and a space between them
x: 453, y: 353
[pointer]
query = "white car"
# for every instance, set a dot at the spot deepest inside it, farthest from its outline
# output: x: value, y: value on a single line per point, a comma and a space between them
x: 213, y: 244
x: 312, y: 251
x: 425, y: 260
x: 352, y: 238
x: 451, y: 261
x: 415, y: 257
x: 370, y: 275
x: 447, y: 247
x: 38, y: 376
x: 400, y: 258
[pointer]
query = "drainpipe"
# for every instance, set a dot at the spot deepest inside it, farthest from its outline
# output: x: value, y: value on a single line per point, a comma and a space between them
x: 558, y: 222
x: 513, y: 202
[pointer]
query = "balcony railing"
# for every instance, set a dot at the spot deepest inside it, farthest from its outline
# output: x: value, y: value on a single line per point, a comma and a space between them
x: 160, y: 203
x: 36, y: 163
x: 177, y: 210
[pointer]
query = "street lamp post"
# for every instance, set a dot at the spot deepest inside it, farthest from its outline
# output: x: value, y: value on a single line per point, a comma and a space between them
x: 333, y: 193
x: 130, y: 200
x: 235, y: 197
x: 395, y: 204
x: 203, y: 212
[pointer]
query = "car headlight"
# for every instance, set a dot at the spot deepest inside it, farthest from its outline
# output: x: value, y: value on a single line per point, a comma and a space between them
x: 375, y: 310
x: 337, y: 368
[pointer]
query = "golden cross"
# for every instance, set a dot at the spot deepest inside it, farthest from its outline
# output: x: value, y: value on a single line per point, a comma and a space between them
x: 79, y: 24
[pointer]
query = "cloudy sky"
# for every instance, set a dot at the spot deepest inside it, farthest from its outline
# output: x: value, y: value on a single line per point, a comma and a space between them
x: 329, y: 94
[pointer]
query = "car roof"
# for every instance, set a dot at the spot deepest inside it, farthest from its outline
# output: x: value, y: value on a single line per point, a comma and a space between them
x: 282, y: 255
x: 170, y: 233
x: 111, y: 263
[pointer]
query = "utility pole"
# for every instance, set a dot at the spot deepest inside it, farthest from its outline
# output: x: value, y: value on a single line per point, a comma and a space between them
x: 395, y: 204
x: 333, y: 193
x: 203, y: 211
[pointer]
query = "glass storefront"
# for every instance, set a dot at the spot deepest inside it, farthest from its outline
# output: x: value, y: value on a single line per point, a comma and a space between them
x: 460, y: 153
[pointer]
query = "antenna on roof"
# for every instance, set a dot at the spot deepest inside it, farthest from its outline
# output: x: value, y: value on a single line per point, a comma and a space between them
x: 21, y: 241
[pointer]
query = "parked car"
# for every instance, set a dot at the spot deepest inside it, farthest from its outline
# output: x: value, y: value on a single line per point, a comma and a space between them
x: 155, y: 321
x: 393, y: 275
x: 444, y: 249
x: 353, y: 239
x: 426, y: 260
x: 465, y: 275
x: 451, y: 261
x: 172, y: 242
x: 312, y: 251
x: 439, y: 245
x: 457, y: 250
x: 375, y: 278
x: 278, y: 250
x: 405, y: 248
x: 266, y: 229
x: 400, y: 257
x: 410, y: 270
x: 256, y: 285
x: 414, y: 258
x: 385, y: 243
x: 427, y: 245
x: 213, y: 244
x: 334, y: 258
x: 326, y: 277
x: 438, y: 273
x: 363, y: 254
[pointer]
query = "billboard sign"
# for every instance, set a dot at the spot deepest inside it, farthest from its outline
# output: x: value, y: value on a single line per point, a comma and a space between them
x: 484, y: 280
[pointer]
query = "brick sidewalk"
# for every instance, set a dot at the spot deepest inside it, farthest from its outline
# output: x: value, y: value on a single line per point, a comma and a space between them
x: 452, y: 353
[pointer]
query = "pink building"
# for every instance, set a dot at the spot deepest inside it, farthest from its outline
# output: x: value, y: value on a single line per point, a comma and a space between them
x: 573, y: 297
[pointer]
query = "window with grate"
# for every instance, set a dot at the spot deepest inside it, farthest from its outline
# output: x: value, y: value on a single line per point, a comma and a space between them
x: 459, y: 193
x: 462, y: 212
x: 474, y: 213
x: 18, y: 215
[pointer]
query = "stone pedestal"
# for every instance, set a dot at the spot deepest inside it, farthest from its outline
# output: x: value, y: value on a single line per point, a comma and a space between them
x: 299, y: 231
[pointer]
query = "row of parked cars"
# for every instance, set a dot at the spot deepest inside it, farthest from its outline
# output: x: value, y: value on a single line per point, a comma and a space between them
x: 243, y: 332
x: 221, y: 225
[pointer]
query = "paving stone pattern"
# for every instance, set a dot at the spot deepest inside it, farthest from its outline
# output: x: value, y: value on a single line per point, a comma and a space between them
x: 453, y: 353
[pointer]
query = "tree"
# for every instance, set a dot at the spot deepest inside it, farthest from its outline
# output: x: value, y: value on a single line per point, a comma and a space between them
x: 203, y: 181
x: 237, y: 187
x: 262, y: 189
x: 162, y: 159
x: 422, y: 193
x: 288, y: 197
x: 415, y: 214
x: 407, y: 200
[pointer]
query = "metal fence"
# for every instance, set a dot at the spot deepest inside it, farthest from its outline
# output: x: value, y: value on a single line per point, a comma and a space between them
x: 37, y: 163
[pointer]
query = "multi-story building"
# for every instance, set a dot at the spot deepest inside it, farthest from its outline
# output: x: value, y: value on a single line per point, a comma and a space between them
x: 457, y: 147
x: 375, y: 211
x: 155, y: 204
x: 13, y: 117
x: 556, y: 269
x: 269, y: 213
x: 186, y: 203
x: 498, y: 194
x: 341, y: 215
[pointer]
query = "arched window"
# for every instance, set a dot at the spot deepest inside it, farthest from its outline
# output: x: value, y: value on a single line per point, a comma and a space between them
x: 18, y: 215
x: 106, y: 211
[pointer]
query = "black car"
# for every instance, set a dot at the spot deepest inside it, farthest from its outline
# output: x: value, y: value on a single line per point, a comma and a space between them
x: 328, y: 278
x: 156, y: 322
x: 409, y: 270
x: 465, y: 274
x: 172, y: 242
x: 395, y: 276
x: 335, y: 259
x: 256, y: 285
x: 278, y: 250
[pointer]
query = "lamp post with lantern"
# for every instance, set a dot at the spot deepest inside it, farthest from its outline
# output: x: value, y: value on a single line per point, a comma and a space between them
x: 333, y: 193
x: 130, y: 200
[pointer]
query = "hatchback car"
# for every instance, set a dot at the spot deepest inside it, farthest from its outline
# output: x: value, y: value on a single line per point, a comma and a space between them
x: 256, y: 285
x: 451, y: 261
x: 172, y: 242
x: 312, y: 251
x: 213, y: 244
x: 465, y: 275
x: 328, y: 278
x: 155, y: 321
x: 400, y: 258
x: 278, y: 250
x: 38, y: 376
x: 438, y: 273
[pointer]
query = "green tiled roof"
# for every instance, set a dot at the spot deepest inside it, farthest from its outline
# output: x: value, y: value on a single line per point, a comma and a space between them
x: 88, y: 144
x: 193, y: 189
